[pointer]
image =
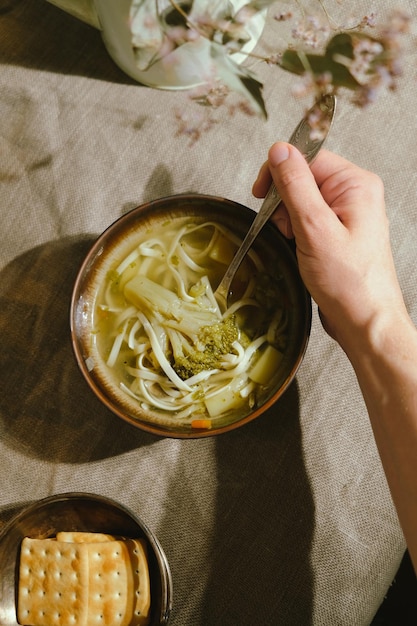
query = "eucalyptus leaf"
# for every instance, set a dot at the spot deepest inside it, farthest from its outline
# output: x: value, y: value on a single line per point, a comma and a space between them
x: 238, y: 79
x: 259, y: 5
x: 301, y: 63
x: 340, y: 44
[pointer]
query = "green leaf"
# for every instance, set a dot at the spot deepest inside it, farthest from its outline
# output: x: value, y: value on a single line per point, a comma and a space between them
x: 340, y: 44
x: 259, y: 5
x: 301, y: 63
x: 252, y: 89
x: 238, y: 79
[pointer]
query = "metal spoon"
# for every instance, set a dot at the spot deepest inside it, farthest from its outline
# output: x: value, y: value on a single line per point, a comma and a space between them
x: 309, y: 147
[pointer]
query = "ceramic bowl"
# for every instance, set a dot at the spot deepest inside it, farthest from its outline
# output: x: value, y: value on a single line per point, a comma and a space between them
x: 79, y: 512
x: 117, y: 242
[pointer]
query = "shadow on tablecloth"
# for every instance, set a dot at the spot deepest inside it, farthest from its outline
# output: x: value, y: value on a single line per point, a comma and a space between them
x: 47, y: 409
x: 265, y: 521
x: 44, y: 37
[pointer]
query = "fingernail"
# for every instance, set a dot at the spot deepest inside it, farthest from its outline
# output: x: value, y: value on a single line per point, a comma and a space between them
x: 278, y: 153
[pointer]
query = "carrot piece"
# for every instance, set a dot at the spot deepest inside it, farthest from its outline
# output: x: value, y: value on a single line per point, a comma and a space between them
x: 201, y: 423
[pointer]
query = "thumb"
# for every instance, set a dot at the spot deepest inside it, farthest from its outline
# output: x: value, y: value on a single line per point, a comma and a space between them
x: 296, y: 185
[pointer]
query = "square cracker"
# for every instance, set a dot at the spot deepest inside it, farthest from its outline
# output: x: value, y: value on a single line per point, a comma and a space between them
x: 137, y: 553
x: 87, y: 579
x: 141, y: 581
x: 53, y: 583
x: 76, y: 536
x: 110, y: 580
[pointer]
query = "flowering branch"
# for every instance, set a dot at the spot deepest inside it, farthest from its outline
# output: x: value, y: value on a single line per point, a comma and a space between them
x: 347, y: 58
x: 353, y: 60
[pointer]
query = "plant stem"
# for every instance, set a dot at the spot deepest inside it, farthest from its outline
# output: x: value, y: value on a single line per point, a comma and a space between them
x: 177, y: 7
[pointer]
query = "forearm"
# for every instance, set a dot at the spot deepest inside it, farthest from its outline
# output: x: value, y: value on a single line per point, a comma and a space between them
x: 385, y: 363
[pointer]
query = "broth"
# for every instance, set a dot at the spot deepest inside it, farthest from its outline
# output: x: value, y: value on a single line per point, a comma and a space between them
x: 157, y: 326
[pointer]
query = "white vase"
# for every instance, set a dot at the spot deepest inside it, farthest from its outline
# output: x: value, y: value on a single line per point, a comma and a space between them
x: 187, y: 65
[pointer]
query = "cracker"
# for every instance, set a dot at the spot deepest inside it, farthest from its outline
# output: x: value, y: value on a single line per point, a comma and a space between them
x: 137, y: 555
x: 73, y: 536
x: 141, y: 581
x: 110, y: 582
x: 53, y: 583
x: 83, y: 579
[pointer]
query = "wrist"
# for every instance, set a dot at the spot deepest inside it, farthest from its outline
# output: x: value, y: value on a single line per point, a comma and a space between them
x: 389, y: 338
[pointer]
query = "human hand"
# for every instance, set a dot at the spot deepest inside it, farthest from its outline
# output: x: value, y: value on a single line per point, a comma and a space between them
x: 336, y: 212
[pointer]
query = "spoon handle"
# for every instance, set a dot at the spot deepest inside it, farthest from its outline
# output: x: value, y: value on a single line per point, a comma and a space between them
x: 309, y: 147
x: 270, y: 203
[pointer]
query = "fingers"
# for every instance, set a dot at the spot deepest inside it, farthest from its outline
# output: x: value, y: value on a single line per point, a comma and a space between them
x: 346, y: 187
x: 314, y: 196
x: 298, y: 188
x: 263, y: 181
x: 282, y: 220
x: 260, y: 188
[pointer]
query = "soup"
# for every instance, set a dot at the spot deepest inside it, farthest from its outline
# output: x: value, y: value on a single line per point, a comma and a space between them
x: 159, y: 331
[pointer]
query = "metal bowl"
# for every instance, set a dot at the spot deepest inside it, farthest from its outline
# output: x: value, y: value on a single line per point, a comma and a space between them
x: 79, y: 512
x: 119, y: 240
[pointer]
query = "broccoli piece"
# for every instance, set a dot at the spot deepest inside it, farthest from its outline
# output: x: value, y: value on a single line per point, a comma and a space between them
x: 215, y: 340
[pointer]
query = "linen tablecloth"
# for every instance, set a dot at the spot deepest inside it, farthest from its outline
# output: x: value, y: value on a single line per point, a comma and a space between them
x: 288, y: 520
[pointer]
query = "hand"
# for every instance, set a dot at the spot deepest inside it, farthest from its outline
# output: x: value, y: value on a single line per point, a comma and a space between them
x: 336, y: 212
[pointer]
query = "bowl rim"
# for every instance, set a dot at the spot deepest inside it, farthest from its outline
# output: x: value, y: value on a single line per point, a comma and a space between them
x: 148, y: 426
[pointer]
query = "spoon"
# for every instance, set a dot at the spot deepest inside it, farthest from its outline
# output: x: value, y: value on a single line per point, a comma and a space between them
x: 309, y: 147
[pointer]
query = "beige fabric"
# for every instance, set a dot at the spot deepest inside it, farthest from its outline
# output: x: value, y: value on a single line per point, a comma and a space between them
x: 286, y: 521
